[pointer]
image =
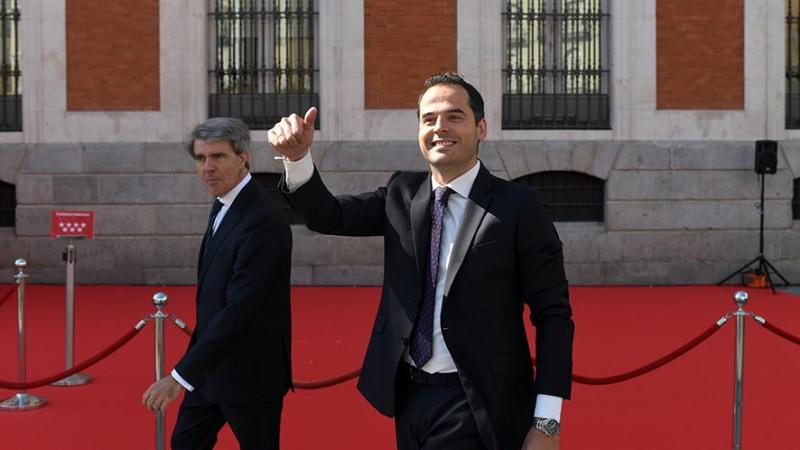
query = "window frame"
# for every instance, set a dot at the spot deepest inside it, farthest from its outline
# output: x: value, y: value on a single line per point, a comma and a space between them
x: 552, y: 81
x: 10, y: 72
x: 263, y: 59
x: 8, y: 205
x: 555, y: 188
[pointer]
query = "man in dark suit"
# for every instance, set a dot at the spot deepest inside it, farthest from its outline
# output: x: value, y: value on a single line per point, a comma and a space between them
x: 237, y: 367
x: 464, y: 252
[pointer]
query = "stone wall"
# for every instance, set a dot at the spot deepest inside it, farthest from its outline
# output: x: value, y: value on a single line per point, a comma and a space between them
x: 676, y: 212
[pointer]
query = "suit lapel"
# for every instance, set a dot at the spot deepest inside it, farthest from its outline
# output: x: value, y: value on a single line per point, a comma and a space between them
x: 475, y: 211
x: 229, y: 222
x: 202, y: 252
x: 420, y: 225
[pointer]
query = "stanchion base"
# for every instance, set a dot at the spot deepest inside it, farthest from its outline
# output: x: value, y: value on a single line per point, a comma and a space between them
x: 77, y: 379
x: 22, y: 402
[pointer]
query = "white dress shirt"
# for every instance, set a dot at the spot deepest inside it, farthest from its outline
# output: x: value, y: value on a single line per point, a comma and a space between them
x: 227, y: 201
x: 300, y: 171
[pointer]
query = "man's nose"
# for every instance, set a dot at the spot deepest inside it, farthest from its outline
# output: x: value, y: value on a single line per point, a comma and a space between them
x: 440, y: 124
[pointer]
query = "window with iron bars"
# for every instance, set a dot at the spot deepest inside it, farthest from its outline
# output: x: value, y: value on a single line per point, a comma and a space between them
x: 569, y: 196
x: 263, y: 59
x: 270, y: 181
x: 793, y: 64
x: 556, y: 68
x: 8, y: 204
x: 796, y: 200
x: 11, y: 77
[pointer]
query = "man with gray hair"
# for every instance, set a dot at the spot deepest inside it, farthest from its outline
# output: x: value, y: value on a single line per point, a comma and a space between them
x: 237, y: 367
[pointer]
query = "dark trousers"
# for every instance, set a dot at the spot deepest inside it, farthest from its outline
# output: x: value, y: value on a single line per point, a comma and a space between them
x: 433, y: 414
x: 255, y: 425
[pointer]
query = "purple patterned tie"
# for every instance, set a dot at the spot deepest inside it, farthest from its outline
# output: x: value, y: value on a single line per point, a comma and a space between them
x: 421, y: 348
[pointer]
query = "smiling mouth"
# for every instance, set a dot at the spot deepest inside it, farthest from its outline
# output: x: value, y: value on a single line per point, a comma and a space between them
x: 442, y: 143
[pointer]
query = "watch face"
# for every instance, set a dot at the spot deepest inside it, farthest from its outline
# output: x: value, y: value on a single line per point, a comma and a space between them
x: 550, y: 427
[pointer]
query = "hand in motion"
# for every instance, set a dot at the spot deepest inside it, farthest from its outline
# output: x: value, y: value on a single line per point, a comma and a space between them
x: 293, y: 135
x: 161, y: 393
x: 536, y: 440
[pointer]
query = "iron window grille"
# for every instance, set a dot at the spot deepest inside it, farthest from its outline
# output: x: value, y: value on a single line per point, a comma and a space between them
x: 270, y: 181
x: 11, y: 89
x: 556, y: 69
x: 569, y: 196
x: 796, y: 200
x: 793, y: 64
x: 8, y: 204
x: 263, y: 59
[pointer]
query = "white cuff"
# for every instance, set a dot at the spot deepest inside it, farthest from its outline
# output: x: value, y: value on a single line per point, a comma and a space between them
x: 298, y: 172
x: 181, y: 381
x: 548, y: 407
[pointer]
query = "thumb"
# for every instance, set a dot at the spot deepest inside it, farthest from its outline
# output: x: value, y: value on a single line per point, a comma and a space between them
x: 311, y: 116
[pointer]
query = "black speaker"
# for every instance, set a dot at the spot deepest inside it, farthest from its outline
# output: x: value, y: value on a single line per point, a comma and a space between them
x: 766, y: 157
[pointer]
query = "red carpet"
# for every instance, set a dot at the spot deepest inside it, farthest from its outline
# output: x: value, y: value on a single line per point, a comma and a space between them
x: 687, y: 404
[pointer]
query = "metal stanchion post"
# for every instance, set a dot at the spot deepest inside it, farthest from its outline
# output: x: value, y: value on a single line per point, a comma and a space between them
x: 69, y: 334
x: 740, y: 298
x: 159, y: 300
x: 21, y: 401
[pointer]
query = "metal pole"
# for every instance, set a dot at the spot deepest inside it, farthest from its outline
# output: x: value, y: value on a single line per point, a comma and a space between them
x: 740, y: 298
x: 21, y: 401
x: 69, y: 334
x: 761, y: 219
x: 159, y: 300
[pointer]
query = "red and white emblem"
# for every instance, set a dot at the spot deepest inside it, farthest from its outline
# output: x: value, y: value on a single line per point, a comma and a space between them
x: 76, y: 224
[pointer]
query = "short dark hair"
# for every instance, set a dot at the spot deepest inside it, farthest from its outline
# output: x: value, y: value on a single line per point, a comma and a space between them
x: 217, y: 129
x: 475, y: 99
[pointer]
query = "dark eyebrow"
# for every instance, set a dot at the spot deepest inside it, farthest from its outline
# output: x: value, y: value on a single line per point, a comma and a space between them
x: 449, y: 111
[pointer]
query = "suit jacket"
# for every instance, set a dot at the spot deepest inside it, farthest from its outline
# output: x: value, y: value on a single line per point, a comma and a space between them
x: 240, y: 350
x: 506, y: 255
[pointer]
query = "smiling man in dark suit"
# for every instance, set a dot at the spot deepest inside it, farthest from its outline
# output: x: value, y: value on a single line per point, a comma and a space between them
x: 237, y: 367
x: 464, y: 252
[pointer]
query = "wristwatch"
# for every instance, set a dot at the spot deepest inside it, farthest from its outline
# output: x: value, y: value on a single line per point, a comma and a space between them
x: 550, y: 427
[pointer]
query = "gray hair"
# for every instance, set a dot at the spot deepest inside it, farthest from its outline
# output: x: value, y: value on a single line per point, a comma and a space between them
x: 222, y: 129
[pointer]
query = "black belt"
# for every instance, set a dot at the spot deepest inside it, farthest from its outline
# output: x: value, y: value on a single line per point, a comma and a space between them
x: 430, y: 379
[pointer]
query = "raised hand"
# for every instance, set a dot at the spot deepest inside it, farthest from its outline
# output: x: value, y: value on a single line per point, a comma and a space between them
x: 293, y: 135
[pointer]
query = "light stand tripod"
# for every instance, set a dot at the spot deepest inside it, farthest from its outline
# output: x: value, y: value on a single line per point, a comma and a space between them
x: 761, y: 264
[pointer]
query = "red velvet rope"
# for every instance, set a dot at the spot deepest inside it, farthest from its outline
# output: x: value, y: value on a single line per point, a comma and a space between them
x: 187, y: 330
x: 311, y: 385
x: 649, y: 367
x: 89, y: 362
x: 577, y: 378
x: 7, y: 295
x: 307, y: 385
x: 782, y: 333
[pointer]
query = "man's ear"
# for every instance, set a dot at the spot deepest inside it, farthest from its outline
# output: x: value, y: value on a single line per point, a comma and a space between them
x: 482, y: 129
x: 245, y: 157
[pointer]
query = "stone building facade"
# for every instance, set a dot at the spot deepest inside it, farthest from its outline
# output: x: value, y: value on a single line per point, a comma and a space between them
x: 692, y: 86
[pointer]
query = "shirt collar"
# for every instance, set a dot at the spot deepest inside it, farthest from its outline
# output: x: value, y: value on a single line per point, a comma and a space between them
x: 228, y: 198
x: 462, y: 185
